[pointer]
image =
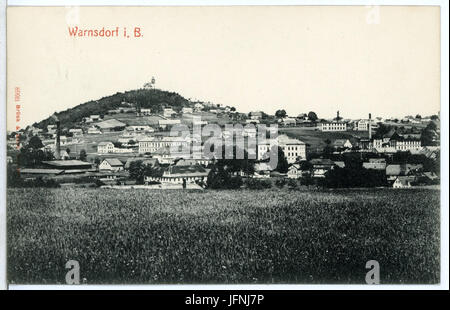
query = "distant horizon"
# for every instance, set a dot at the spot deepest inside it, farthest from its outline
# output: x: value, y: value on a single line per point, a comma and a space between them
x: 240, y: 111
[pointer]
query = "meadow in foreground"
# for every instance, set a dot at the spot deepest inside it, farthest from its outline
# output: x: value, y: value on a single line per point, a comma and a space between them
x: 241, y: 236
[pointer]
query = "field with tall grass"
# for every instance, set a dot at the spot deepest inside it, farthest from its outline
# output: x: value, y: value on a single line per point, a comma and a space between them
x: 241, y: 236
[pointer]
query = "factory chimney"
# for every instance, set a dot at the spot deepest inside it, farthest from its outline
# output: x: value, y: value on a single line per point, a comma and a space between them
x: 58, y: 138
x: 370, y: 126
x: 337, y: 116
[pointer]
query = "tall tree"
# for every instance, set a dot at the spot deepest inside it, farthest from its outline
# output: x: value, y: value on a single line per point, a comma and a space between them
x: 83, y: 155
x: 312, y: 116
x: 35, y: 143
x: 282, y: 163
x: 280, y: 113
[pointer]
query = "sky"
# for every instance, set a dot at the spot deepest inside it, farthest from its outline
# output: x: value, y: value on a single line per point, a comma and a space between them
x: 355, y: 59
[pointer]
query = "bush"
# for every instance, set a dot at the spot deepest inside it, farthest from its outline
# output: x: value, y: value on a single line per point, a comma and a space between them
x: 258, y: 184
x: 280, y: 183
x: 292, y: 183
x: 353, y: 177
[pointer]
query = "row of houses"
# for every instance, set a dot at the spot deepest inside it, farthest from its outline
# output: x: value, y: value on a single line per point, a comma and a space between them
x: 398, y: 175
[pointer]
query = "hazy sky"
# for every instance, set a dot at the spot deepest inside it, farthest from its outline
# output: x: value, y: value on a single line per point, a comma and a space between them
x: 322, y: 59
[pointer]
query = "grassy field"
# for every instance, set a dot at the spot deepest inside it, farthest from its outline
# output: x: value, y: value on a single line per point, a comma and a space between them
x: 315, y: 138
x: 274, y: 236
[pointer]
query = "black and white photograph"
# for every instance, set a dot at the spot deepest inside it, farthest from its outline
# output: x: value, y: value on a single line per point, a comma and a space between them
x: 232, y: 145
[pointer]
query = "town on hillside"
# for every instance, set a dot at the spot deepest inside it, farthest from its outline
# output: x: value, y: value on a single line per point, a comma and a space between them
x: 130, y: 146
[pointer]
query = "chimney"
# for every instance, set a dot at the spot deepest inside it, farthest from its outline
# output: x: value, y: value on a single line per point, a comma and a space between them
x: 370, y: 126
x: 58, y: 138
x: 337, y: 117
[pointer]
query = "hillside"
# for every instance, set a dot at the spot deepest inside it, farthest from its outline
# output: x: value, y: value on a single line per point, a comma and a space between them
x: 154, y: 99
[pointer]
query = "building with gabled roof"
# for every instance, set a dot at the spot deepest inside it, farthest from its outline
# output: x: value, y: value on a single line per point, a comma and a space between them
x: 320, y: 166
x: 401, y: 182
x: 111, y: 164
x: 111, y: 125
x: 342, y: 143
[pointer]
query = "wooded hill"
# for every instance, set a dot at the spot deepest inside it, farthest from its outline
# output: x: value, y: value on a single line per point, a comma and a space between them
x: 154, y: 99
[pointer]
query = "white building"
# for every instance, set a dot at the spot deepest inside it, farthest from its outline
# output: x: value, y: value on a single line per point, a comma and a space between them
x: 105, y: 147
x: 163, y: 123
x: 168, y: 112
x: 252, y: 121
x: 76, y: 132
x: 362, y: 125
x: 288, y: 121
x: 146, y: 111
x: 187, y: 110
x: 139, y: 128
x: 93, y: 131
x: 152, y: 144
x: 407, y: 145
x: 342, y: 144
x: 294, y: 171
x: 294, y: 149
x: 199, y: 107
x: 333, y: 126
x: 111, y: 164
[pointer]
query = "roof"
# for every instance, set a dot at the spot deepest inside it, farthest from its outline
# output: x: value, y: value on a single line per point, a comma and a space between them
x: 67, y: 163
x: 394, y: 170
x: 403, y: 180
x: 105, y: 143
x: 163, y: 139
x: 284, y: 139
x: 340, y: 142
x: 431, y: 175
x: 389, y: 134
x: 294, y: 166
x: 322, y: 161
x: 185, y: 171
x: 40, y: 171
x: 114, y: 162
x: 340, y: 164
x: 186, y: 162
x: 110, y: 123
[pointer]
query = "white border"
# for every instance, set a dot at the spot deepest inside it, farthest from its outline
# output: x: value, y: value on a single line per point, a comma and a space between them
x: 444, y: 285
x: 3, y: 282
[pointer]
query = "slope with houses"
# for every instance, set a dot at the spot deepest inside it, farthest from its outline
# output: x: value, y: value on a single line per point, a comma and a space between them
x: 113, y: 140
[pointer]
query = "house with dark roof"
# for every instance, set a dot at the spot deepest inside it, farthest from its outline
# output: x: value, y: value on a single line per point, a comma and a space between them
x: 71, y: 166
x: 342, y: 144
x: 32, y: 173
x: 320, y: 166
